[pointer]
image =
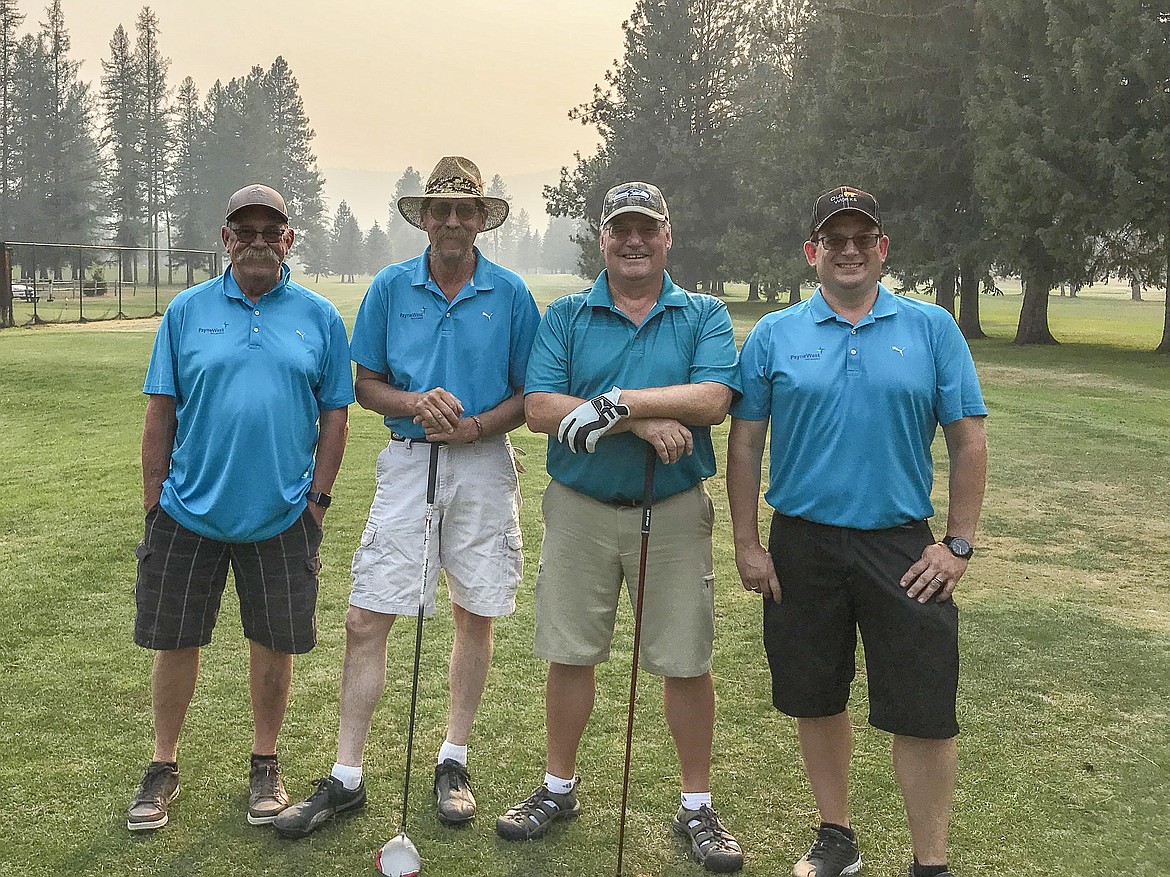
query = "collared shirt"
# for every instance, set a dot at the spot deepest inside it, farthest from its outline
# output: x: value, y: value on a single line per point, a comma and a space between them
x: 586, y: 346
x: 475, y: 346
x: 854, y: 409
x: 249, y: 382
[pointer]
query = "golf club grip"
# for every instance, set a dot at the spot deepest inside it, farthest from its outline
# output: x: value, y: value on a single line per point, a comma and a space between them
x: 433, y: 473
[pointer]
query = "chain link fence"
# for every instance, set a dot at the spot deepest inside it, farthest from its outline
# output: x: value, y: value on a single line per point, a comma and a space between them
x: 76, y: 283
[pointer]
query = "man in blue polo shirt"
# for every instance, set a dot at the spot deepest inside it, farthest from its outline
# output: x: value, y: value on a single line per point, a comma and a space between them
x: 855, y: 382
x: 249, y: 384
x: 441, y: 343
x: 633, y: 360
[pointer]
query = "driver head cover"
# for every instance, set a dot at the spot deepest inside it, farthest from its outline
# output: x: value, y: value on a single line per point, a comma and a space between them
x: 398, y: 858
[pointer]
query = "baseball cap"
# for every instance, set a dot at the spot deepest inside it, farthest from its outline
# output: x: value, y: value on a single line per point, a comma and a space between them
x: 257, y: 195
x: 839, y: 200
x: 634, y: 198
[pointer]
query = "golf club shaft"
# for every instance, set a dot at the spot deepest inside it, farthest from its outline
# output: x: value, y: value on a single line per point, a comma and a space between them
x: 432, y: 484
x: 647, y: 503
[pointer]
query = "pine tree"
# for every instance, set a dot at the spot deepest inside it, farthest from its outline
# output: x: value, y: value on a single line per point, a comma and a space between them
x: 10, y: 21
x: 499, y: 244
x: 346, y: 244
x: 121, y: 95
x: 194, y: 230
x: 406, y: 241
x: 665, y: 118
x: 156, y: 137
x: 297, y: 176
x: 377, y: 249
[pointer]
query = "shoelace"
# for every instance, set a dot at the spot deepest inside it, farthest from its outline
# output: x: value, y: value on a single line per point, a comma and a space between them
x: 709, y: 822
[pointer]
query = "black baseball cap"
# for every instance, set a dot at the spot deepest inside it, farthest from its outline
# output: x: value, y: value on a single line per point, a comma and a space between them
x: 839, y: 200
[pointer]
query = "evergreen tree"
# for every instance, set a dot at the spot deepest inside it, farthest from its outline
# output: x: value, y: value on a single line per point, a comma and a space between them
x: 10, y: 21
x: 121, y: 94
x: 377, y: 249
x: 193, y: 229
x: 30, y: 165
x: 297, y: 176
x: 156, y: 141
x: 313, y: 250
x: 499, y: 244
x: 346, y: 245
x: 1037, y: 163
x: 665, y: 118
x: 406, y: 241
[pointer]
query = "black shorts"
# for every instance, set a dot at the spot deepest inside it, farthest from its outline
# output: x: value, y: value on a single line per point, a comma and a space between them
x: 835, y: 581
x: 181, y: 577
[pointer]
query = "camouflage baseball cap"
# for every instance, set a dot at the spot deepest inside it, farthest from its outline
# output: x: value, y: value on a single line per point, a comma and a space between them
x: 634, y: 198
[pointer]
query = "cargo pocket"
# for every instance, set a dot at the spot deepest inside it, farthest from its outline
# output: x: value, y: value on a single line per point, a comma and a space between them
x: 513, y: 556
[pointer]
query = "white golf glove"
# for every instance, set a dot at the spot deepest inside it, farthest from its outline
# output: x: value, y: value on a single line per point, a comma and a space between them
x: 589, y: 421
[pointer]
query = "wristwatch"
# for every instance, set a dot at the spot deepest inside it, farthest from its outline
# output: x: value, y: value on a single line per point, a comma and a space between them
x: 321, y: 499
x: 959, y: 546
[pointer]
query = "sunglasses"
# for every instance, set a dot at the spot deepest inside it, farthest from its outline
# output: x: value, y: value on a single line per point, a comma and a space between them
x: 834, y: 243
x: 246, y: 235
x: 646, y: 231
x: 464, y: 210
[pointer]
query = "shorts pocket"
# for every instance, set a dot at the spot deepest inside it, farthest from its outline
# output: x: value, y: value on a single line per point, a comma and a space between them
x: 709, y: 582
x: 369, y: 535
x: 513, y: 556
x: 313, y: 564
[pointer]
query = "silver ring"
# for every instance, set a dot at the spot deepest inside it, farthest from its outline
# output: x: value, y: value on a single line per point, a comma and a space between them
x: 937, y: 581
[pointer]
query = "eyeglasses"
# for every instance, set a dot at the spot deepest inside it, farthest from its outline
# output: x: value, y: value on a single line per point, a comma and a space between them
x: 646, y: 231
x: 272, y: 234
x: 464, y: 210
x: 834, y: 243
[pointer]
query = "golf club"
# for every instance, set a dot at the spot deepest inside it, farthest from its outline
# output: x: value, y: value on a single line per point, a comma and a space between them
x: 647, y: 501
x: 398, y: 857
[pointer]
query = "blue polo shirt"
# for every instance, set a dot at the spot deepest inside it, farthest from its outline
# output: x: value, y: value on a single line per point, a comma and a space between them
x: 586, y: 346
x: 854, y: 409
x: 249, y: 381
x: 475, y: 346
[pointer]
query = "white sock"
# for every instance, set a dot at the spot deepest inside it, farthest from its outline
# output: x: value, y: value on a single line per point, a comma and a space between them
x: 559, y: 786
x: 695, y: 800
x: 351, y: 777
x: 455, y: 753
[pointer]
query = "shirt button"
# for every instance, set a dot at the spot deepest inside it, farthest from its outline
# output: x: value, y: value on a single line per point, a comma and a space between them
x: 852, y: 331
x: 853, y: 352
x: 258, y: 314
x: 257, y: 329
x: 448, y: 315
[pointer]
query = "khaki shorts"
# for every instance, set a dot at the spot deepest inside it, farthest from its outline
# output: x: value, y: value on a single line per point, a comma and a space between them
x: 590, y: 547
x: 475, y: 530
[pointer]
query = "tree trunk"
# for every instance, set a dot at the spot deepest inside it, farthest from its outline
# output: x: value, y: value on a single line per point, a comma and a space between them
x: 1135, y: 289
x: 1033, y: 326
x: 754, y: 291
x: 969, y: 303
x: 1164, y: 346
x: 794, y: 293
x: 7, y: 316
x: 944, y: 290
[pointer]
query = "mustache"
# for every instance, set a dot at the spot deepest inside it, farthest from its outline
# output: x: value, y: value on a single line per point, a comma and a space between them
x: 253, y: 255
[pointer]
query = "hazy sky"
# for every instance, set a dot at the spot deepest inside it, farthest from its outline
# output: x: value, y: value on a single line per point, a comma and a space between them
x: 394, y: 83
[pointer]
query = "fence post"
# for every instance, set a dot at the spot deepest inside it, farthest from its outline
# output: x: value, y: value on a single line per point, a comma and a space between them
x: 157, y: 312
x: 7, y: 314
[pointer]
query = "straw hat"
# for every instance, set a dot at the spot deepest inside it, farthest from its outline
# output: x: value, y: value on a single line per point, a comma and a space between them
x: 456, y: 178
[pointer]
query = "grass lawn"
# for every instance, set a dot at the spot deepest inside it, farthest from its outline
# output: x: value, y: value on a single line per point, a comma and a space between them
x: 1065, y: 643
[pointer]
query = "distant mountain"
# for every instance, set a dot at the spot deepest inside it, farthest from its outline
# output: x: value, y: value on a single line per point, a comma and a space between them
x: 368, y: 193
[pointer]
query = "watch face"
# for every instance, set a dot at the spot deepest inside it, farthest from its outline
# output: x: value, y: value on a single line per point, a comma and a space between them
x: 959, y: 546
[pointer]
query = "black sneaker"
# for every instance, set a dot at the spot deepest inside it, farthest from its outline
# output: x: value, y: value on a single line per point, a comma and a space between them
x: 831, y: 855
x: 453, y: 791
x: 331, y: 797
x: 266, y: 794
x: 535, y: 815
x: 712, y: 845
x: 159, y: 787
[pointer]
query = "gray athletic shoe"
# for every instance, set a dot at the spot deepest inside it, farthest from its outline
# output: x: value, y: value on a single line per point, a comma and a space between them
x: 831, y: 855
x: 535, y: 815
x: 331, y: 797
x: 159, y: 787
x: 947, y: 873
x: 712, y: 845
x: 453, y: 791
x: 266, y: 795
